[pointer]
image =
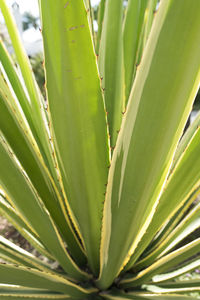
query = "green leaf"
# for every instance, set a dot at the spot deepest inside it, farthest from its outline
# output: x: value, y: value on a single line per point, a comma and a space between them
x: 90, y: 12
x: 78, y: 116
x: 163, y: 264
x: 148, y: 21
x: 101, y: 10
x: 33, y: 297
x: 181, y: 184
x: 21, y: 56
x: 122, y: 297
x: 111, y: 66
x: 18, y: 188
x: 189, y: 224
x: 164, y: 297
x: 172, y: 223
x: 183, y: 290
x: 9, y: 292
x: 180, y: 284
x: 16, y: 220
x: 7, y: 209
x: 15, y: 82
x: 20, y: 139
x: 118, y: 295
x: 21, y: 256
x: 143, y: 155
x: 35, y: 97
x: 185, y: 267
x: 146, y: 28
x: 133, y: 22
x: 22, y: 97
x: 28, y: 277
x: 185, y: 141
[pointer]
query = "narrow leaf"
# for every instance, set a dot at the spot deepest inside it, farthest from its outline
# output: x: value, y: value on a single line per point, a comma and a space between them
x: 182, y: 290
x: 78, y: 116
x: 171, y: 223
x: 149, y: 16
x: 101, y: 10
x: 143, y: 155
x: 149, y: 296
x: 28, y: 277
x: 188, y: 266
x: 180, y: 284
x: 35, y: 97
x: 163, y: 264
x: 180, y: 185
x: 142, y: 295
x: 26, y: 151
x: 21, y: 256
x: 111, y: 65
x: 27, y: 202
x: 185, y: 141
x: 133, y: 22
x: 189, y: 224
x: 10, y: 214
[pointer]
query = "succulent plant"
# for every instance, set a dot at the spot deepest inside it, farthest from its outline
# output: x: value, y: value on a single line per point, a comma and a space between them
x: 98, y: 177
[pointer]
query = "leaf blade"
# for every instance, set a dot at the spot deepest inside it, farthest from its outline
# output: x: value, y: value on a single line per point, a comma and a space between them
x: 111, y: 66
x: 163, y: 264
x: 183, y: 181
x: 131, y: 35
x: 24, y: 147
x: 81, y: 139
x: 42, y: 280
x: 25, y: 199
x: 137, y: 177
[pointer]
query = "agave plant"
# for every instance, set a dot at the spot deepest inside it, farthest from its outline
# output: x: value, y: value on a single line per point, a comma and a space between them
x: 98, y: 177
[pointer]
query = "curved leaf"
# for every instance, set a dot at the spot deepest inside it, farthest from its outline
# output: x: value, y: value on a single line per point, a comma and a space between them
x: 142, y: 295
x: 25, y: 199
x: 111, y: 66
x: 185, y: 141
x: 26, y: 151
x: 163, y: 264
x: 9, y: 292
x: 179, y: 187
x: 180, y: 284
x: 133, y: 22
x: 78, y: 116
x: 189, y: 224
x: 28, y: 277
x: 143, y: 154
x: 101, y: 10
x: 183, y: 290
x: 16, y: 220
x: 21, y: 256
x: 35, y: 98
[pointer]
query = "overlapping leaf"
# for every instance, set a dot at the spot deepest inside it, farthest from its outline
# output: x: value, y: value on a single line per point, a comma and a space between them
x: 78, y: 116
x: 150, y: 132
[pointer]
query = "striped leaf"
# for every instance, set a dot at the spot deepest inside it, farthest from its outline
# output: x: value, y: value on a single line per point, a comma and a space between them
x: 20, y: 139
x: 101, y: 10
x: 143, y: 155
x: 28, y: 277
x: 188, y: 225
x: 180, y: 185
x: 163, y: 264
x: 25, y: 199
x: 142, y: 296
x: 133, y: 22
x: 111, y: 66
x: 78, y: 116
x: 16, y: 220
x: 36, y: 103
